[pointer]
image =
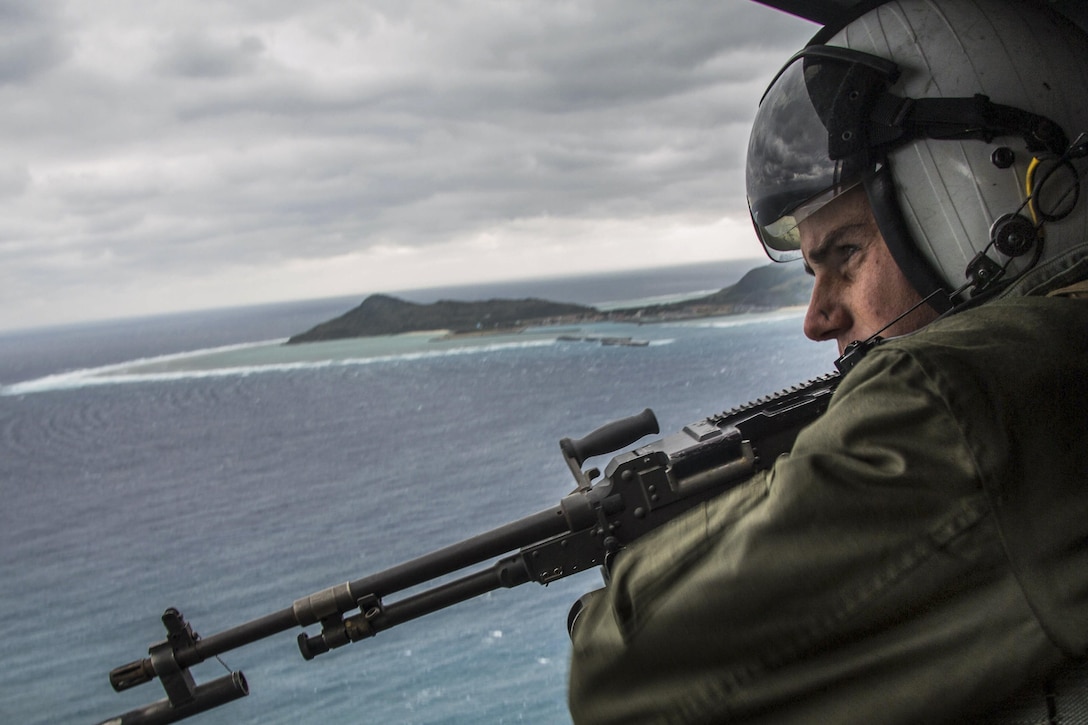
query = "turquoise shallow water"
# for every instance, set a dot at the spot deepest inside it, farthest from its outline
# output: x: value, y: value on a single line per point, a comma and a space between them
x: 276, y: 356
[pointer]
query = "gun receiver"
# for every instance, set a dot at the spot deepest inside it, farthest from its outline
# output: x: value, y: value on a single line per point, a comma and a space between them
x: 641, y: 489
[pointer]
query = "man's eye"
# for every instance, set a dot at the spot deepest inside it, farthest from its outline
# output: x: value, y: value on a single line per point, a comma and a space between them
x: 846, y: 251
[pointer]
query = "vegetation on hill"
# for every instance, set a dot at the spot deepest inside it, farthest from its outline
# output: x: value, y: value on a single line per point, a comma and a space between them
x: 384, y: 315
x: 764, y: 288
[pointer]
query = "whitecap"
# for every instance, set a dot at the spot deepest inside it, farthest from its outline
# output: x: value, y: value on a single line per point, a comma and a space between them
x: 272, y: 357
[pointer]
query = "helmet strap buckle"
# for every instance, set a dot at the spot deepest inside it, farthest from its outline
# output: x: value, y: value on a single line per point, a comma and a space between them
x: 982, y: 272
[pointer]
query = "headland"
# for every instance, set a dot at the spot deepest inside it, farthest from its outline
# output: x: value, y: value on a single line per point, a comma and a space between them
x: 765, y: 288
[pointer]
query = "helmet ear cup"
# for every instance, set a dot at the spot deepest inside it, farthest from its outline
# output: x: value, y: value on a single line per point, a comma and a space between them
x: 1013, y: 235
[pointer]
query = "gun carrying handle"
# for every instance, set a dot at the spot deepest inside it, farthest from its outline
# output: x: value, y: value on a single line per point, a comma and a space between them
x: 610, y: 437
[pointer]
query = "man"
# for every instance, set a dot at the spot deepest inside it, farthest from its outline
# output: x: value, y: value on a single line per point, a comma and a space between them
x: 858, y: 287
x: 922, y: 552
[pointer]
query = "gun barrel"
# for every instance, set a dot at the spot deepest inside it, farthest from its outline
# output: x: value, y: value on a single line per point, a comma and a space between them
x: 473, y: 550
x: 205, y: 697
x: 140, y: 671
x: 236, y: 637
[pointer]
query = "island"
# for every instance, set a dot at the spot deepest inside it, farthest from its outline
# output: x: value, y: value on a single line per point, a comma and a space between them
x: 770, y: 287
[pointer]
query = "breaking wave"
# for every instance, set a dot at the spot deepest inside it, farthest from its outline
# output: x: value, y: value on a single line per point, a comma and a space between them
x: 248, y: 359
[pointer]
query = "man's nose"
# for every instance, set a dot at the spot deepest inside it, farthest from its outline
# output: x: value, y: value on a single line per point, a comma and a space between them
x: 826, y: 315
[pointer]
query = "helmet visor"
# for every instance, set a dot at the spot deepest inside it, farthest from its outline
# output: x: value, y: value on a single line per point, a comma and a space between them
x: 807, y: 144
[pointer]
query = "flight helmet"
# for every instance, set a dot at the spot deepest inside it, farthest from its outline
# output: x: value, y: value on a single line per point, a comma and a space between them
x: 964, y: 121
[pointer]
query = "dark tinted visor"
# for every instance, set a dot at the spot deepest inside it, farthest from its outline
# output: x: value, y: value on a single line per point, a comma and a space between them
x: 808, y: 142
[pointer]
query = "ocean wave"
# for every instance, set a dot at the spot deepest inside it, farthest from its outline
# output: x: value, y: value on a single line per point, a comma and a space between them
x: 666, y: 299
x: 203, y: 364
x: 745, y: 320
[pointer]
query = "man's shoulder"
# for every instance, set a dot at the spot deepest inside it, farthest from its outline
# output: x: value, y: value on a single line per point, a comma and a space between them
x: 985, y: 349
x: 1013, y: 326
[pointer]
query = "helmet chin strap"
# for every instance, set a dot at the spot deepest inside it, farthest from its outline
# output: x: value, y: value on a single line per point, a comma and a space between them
x: 880, y: 188
x: 857, y: 349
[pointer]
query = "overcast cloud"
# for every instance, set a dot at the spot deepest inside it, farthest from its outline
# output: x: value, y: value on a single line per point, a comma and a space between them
x: 162, y: 155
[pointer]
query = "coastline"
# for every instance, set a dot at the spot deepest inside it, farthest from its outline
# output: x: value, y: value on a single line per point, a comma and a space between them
x: 762, y: 289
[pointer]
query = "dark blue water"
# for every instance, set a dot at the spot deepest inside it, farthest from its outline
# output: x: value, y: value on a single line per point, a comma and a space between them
x: 230, y: 496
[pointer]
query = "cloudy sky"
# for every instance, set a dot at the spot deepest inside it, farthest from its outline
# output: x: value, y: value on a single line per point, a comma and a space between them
x: 176, y: 154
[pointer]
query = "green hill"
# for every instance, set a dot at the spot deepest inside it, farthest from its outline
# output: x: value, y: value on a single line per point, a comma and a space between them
x: 763, y: 288
x: 384, y: 315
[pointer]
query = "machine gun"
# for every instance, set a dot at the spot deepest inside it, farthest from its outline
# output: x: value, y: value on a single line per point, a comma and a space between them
x: 640, y: 490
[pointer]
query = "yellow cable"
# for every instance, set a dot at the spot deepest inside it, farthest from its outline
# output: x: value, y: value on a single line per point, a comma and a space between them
x: 1029, y: 179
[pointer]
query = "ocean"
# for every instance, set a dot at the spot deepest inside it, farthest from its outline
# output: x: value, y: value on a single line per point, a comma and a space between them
x: 193, y: 461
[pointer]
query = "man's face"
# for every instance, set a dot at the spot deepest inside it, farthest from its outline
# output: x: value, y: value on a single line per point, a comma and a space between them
x: 859, y: 288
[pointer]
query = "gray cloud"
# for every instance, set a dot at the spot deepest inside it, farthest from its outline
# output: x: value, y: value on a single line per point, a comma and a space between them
x: 177, y: 142
x: 199, y: 56
x: 31, y: 41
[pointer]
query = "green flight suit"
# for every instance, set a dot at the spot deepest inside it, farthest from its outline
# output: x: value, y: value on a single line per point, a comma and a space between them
x: 919, y: 555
